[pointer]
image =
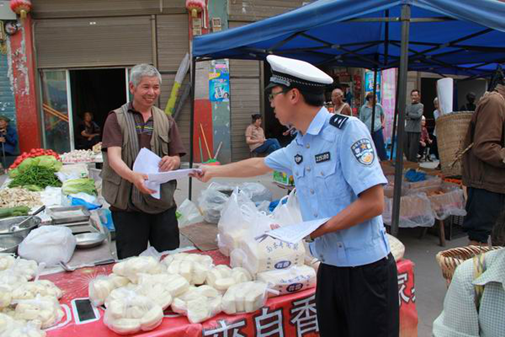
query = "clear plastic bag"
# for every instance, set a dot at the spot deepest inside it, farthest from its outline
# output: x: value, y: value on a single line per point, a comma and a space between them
x: 31, y: 290
x: 57, y: 242
x: 223, y: 277
x: 193, y: 267
x: 44, y: 309
x: 100, y: 287
x: 190, y: 214
x: 288, y: 213
x: 132, y: 267
x: 244, y: 297
x: 198, y: 304
x: 415, y: 211
x: 446, y: 199
x: 129, y: 312
x: 256, y: 192
x: 212, y: 201
x: 233, y: 221
x: 10, y: 327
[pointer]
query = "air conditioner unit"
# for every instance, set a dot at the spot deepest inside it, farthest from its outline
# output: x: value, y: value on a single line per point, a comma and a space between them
x: 5, y: 11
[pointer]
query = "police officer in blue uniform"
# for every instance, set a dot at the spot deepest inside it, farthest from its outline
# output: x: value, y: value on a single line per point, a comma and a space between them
x: 337, y: 175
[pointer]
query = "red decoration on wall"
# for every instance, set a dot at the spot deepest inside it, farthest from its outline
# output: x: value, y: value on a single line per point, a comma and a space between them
x: 21, y: 7
x: 195, y: 7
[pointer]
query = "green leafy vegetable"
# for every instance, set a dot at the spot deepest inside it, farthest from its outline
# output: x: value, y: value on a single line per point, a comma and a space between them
x: 74, y: 186
x: 14, y: 211
x: 36, y: 175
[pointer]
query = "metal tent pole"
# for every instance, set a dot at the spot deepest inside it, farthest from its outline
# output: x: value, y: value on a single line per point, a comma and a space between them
x: 404, y: 63
x: 395, y: 119
x: 192, y: 122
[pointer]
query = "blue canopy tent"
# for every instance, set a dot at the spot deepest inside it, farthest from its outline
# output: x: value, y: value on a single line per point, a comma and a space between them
x: 463, y: 37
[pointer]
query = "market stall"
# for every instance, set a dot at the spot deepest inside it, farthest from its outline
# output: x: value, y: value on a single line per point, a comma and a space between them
x: 292, y: 315
x: 244, y: 286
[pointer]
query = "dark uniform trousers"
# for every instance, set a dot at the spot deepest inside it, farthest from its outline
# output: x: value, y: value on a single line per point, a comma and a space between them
x: 135, y: 229
x: 358, y: 301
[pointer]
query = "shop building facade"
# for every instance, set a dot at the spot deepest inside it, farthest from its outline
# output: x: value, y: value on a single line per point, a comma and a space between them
x: 69, y: 57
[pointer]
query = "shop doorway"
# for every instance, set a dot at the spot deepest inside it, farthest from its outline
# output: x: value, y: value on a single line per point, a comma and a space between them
x: 97, y: 91
x: 68, y: 94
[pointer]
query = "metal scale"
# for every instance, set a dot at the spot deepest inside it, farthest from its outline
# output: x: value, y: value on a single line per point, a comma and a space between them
x: 77, y: 218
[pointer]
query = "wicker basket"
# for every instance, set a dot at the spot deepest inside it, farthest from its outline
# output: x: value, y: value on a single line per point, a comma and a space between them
x: 449, y: 259
x: 451, y: 132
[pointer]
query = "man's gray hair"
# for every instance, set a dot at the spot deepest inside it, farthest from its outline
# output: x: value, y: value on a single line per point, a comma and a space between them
x: 143, y: 70
x: 435, y: 100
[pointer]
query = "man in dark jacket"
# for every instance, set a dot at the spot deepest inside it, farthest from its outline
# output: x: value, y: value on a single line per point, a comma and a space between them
x: 484, y: 165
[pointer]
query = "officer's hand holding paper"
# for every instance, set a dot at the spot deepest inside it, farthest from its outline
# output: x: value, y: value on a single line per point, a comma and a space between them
x: 295, y: 233
x: 147, y: 162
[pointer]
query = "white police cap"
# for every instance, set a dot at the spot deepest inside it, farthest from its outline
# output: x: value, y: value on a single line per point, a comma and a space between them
x: 297, y: 74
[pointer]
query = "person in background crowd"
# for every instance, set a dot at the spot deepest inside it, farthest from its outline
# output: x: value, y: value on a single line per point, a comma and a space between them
x: 436, y: 114
x: 365, y: 115
x: 425, y: 142
x: 484, y: 163
x: 140, y: 218
x: 9, y: 140
x: 413, y: 126
x: 255, y: 138
x: 474, y: 305
x: 337, y: 176
x: 470, y: 102
x: 339, y: 106
x: 88, y: 132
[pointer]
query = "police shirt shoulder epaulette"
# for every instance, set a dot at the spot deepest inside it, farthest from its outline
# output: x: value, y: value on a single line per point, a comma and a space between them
x: 338, y: 120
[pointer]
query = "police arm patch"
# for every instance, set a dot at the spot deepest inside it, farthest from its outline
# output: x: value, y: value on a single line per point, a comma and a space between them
x: 363, y: 151
x: 338, y: 120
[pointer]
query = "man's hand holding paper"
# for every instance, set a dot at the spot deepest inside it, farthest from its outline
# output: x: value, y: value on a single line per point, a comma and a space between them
x: 158, y: 170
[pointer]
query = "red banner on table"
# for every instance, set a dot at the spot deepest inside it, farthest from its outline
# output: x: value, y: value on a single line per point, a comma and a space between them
x: 288, y: 315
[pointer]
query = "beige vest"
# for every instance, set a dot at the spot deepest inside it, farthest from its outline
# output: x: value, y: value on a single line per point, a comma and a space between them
x: 119, y: 192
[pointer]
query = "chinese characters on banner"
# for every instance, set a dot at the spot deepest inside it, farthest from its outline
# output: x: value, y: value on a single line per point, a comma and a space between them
x: 389, y: 100
x: 219, y: 81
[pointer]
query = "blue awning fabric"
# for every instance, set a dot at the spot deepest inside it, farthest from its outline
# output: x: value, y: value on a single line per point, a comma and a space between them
x: 467, y: 37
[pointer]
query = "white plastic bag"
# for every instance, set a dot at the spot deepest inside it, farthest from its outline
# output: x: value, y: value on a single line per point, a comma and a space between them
x: 190, y: 214
x: 288, y: 213
x: 212, y: 201
x: 56, y: 242
x: 256, y: 192
x: 232, y: 222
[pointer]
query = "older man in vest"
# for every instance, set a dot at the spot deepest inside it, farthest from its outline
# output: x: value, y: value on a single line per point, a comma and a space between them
x: 139, y: 218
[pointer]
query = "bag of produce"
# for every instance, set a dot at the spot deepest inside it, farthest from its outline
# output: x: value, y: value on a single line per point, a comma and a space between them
x: 45, y: 309
x: 198, y: 304
x: 129, y: 312
x: 290, y: 280
x: 193, y: 267
x: 57, y: 242
x: 100, y: 287
x: 133, y: 266
x: 245, y: 297
x: 14, y: 328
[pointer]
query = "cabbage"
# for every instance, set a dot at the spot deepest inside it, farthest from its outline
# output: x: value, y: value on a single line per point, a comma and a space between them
x: 74, y: 186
